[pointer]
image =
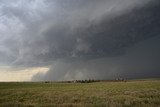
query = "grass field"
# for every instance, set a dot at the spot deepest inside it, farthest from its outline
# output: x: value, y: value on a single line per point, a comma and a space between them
x: 144, y: 93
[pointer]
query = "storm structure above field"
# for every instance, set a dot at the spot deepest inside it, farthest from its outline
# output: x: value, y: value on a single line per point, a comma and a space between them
x: 79, y: 39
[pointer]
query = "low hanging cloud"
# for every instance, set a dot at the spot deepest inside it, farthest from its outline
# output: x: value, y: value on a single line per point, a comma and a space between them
x: 81, y: 39
x: 140, y: 61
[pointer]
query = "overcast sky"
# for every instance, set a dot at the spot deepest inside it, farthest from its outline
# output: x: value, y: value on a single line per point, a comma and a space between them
x: 79, y: 39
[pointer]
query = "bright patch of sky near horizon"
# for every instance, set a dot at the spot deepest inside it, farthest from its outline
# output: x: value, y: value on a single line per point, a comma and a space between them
x: 9, y: 75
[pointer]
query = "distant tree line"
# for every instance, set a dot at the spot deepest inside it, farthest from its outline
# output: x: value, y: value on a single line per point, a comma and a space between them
x: 85, y: 81
x: 88, y: 81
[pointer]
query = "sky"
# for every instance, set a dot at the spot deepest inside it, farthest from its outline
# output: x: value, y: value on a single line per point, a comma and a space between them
x: 55, y: 40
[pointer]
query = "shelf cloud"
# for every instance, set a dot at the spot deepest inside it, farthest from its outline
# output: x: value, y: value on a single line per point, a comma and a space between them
x: 93, y: 39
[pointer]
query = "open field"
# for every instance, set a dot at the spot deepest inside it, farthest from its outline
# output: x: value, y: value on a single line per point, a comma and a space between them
x: 144, y: 93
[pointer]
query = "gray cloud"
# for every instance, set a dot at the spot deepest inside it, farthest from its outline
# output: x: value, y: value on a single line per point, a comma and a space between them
x: 78, y: 39
x: 140, y: 61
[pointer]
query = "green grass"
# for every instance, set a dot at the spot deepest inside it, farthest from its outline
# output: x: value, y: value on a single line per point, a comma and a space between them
x: 101, y: 94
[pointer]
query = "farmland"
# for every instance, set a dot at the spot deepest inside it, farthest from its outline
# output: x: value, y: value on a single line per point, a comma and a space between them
x: 135, y: 93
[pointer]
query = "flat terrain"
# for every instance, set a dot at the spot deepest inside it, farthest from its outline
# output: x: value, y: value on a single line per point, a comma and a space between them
x: 137, y: 93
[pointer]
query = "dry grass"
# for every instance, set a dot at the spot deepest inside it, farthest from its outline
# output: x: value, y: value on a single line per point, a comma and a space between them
x: 100, y: 94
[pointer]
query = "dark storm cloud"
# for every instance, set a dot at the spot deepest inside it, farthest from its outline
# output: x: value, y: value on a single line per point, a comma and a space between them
x: 141, y: 61
x: 79, y: 38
